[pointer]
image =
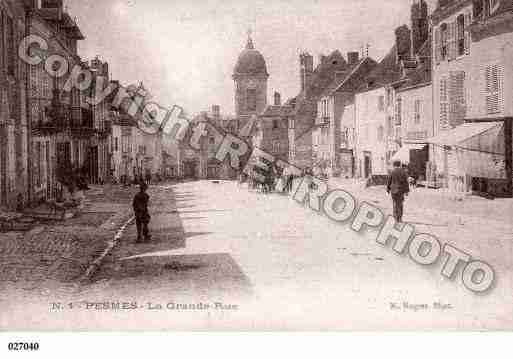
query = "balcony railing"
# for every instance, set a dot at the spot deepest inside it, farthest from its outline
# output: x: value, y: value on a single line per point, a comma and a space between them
x: 59, y: 118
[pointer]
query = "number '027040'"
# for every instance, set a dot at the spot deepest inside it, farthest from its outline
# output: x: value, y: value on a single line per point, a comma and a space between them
x: 21, y: 346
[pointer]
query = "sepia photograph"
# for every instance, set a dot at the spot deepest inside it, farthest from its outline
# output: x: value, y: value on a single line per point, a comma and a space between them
x: 255, y: 166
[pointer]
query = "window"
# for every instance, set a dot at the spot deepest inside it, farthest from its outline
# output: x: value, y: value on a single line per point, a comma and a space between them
x: 444, y: 104
x: 398, y: 111
x: 212, y: 140
x: 460, y: 33
x: 344, y: 135
x: 444, y: 39
x: 251, y: 99
x: 493, y: 90
x: 275, y: 124
x: 381, y: 133
x: 116, y: 144
x: 2, y: 29
x: 325, y: 109
x: 11, y: 47
x: 381, y: 103
x: 416, y: 111
x: 39, y: 172
x: 457, y: 101
x: 125, y: 144
x: 398, y: 133
x: 291, y: 123
x: 390, y: 126
x: 390, y: 97
x: 276, y: 146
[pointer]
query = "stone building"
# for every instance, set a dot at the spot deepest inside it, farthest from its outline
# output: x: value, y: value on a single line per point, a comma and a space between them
x: 304, y: 106
x: 377, y: 119
x: 133, y: 152
x: 472, y: 81
x: 332, y: 153
x: 416, y: 93
x: 62, y: 123
x: 271, y: 134
x: 14, y: 130
x: 250, y: 77
x: 100, y: 151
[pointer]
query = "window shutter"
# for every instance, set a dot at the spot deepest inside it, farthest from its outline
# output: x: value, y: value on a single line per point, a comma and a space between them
x: 457, y: 101
x: 453, y: 41
x: 438, y: 45
x: 493, y: 96
x: 2, y: 51
x: 468, y: 39
x: 444, y: 123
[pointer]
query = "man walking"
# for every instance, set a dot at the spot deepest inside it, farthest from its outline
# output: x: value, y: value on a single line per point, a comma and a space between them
x: 398, y: 187
x: 142, y: 215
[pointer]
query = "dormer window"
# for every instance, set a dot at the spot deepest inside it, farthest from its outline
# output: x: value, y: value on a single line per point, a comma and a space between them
x: 444, y: 36
x: 460, y: 40
x: 485, y: 8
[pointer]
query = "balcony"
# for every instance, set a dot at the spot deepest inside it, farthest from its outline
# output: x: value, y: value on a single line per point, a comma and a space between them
x: 53, y: 120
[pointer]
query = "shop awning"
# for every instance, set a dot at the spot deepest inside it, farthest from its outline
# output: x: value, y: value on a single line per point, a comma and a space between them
x: 478, y: 148
x: 403, y: 154
x: 459, y: 135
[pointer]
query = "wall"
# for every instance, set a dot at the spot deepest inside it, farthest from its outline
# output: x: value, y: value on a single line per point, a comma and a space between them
x: 13, y: 123
x: 496, y: 50
x: 268, y: 135
x: 369, y: 120
x: 422, y: 129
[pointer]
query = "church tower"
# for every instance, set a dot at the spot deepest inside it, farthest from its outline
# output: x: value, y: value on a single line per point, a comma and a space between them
x: 250, y: 76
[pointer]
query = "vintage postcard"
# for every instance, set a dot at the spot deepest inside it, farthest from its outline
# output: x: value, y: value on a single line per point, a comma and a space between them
x: 270, y: 165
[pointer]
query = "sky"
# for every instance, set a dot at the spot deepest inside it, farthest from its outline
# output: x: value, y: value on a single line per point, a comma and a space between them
x: 184, y: 51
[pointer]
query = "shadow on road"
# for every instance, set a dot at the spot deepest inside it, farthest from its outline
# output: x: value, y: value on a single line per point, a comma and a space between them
x: 153, y: 268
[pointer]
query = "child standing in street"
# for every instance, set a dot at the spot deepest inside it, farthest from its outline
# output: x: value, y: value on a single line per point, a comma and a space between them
x: 142, y: 215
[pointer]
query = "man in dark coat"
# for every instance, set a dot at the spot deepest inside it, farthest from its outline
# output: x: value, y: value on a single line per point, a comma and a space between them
x: 142, y: 215
x: 398, y: 187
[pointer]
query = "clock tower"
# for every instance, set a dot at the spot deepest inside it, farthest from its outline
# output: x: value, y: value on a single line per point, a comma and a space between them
x: 250, y: 77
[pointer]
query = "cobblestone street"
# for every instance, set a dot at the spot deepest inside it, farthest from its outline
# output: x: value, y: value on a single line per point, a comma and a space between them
x: 266, y: 260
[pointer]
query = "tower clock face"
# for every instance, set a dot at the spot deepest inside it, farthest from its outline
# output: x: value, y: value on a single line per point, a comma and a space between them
x: 252, y: 83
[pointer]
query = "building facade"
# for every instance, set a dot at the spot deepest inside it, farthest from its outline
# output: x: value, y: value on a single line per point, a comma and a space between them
x: 472, y: 68
x: 61, y: 129
x: 14, y: 130
x: 304, y: 106
x: 271, y: 134
x: 250, y: 78
x: 332, y: 152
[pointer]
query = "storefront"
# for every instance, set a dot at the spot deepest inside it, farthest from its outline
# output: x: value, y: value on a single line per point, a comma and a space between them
x: 415, y: 156
x: 478, y: 157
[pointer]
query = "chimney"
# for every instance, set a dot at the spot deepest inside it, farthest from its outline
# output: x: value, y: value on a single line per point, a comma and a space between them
x: 419, y: 25
x: 403, y: 43
x: 216, y: 112
x: 306, y: 69
x: 277, y: 99
x: 353, y: 57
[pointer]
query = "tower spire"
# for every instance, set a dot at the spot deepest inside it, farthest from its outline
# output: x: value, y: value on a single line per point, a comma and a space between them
x: 250, y: 45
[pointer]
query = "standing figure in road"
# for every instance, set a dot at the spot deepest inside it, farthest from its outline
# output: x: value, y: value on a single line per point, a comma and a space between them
x: 142, y: 215
x: 398, y: 187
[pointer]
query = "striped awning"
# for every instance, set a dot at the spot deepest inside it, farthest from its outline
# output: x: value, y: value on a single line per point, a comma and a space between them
x: 478, y: 148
